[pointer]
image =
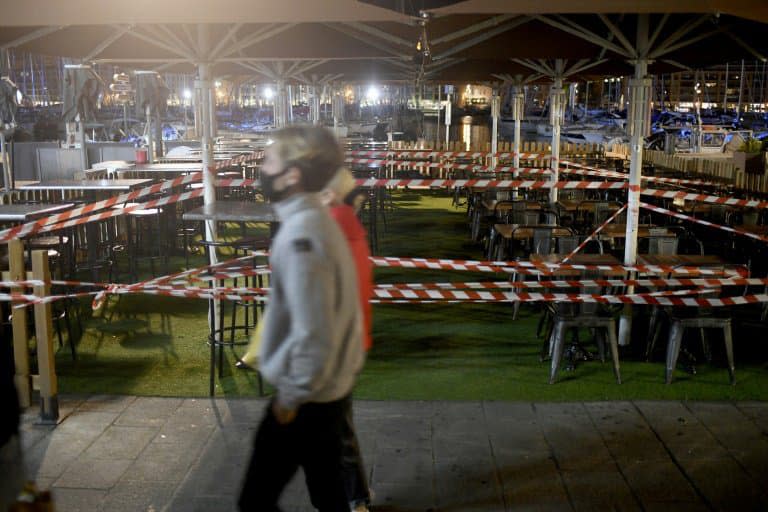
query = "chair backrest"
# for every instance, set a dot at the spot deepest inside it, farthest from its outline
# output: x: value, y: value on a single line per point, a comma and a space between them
x: 750, y: 218
x: 602, y: 212
x: 594, y: 246
x: 719, y: 214
x: 530, y: 217
x: 549, y: 217
x: 567, y: 244
x: 589, y: 308
x: 543, y: 242
x: 664, y: 245
x: 501, y: 212
x: 689, y: 244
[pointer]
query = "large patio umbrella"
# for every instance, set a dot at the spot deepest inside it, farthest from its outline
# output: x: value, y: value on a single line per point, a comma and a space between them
x: 357, y: 40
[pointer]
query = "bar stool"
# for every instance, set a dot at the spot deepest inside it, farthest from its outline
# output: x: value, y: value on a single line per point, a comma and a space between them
x: 242, y: 247
x: 146, y: 238
x: 186, y: 232
x: 216, y: 340
x: 676, y: 336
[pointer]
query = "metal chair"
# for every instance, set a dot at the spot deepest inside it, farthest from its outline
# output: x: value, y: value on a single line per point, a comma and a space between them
x: 676, y: 335
x: 568, y: 316
x: 549, y: 217
x: 664, y: 245
x: 568, y: 244
x: 543, y: 242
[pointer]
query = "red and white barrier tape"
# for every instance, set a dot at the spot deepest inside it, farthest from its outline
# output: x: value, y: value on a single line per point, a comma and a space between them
x: 486, y: 183
x: 592, y: 235
x: 536, y: 268
x: 430, y: 291
x: 676, y: 181
x: 155, y: 203
x: 659, y: 298
x: 682, y: 216
x: 706, y: 198
x: 483, y: 168
x: 418, y: 153
x: 653, y: 282
x: 635, y: 299
x: 29, y: 228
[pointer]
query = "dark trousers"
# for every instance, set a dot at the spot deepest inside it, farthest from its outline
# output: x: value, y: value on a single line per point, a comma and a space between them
x: 355, y: 479
x: 313, y: 440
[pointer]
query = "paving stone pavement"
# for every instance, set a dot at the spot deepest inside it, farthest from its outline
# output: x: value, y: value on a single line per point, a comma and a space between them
x: 124, y: 453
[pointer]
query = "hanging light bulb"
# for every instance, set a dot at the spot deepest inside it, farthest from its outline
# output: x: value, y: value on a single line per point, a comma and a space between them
x: 423, y: 53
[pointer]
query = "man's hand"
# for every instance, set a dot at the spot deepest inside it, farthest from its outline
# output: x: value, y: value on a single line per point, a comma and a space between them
x: 283, y: 415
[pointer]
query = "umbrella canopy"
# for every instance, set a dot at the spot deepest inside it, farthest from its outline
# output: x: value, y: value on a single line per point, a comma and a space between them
x: 469, y: 40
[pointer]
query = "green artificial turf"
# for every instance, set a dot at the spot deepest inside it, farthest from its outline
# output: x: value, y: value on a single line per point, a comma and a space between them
x: 149, y: 345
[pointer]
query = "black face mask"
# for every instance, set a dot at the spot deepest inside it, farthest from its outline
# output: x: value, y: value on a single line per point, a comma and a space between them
x: 268, y: 187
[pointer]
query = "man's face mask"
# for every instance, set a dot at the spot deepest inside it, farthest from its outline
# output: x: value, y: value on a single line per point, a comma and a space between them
x: 268, y: 186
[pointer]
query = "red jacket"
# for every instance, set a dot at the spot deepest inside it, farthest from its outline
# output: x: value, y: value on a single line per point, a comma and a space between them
x: 358, y: 245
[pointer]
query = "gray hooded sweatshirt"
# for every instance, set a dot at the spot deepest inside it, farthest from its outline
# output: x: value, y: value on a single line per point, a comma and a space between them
x: 311, y: 347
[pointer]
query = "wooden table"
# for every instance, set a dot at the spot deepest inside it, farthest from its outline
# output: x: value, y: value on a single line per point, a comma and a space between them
x: 694, y: 260
x: 507, y: 204
x: 524, y: 231
x: 572, y: 205
x: 643, y: 231
x: 579, y: 259
x: 688, y: 260
x: 510, y: 232
x: 755, y: 229
x: 487, y: 206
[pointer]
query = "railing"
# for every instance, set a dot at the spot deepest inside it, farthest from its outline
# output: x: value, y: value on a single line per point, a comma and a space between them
x: 721, y: 168
x: 567, y: 150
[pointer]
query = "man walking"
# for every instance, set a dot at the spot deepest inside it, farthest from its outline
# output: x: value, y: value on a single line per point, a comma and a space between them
x: 312, y: 346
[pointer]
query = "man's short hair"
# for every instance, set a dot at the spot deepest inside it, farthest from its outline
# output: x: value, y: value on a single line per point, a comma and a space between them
x: 313, y: 149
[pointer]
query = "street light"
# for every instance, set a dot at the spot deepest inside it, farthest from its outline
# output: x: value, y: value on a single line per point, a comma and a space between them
x: 372, y: 95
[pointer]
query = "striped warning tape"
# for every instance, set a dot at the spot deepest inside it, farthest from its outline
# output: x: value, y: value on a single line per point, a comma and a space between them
x: 483, y: 168
x: 418, y: 153
x: 464, y: 291
x: 154, y: 203
x: 660, y: 301
x: 683, y: 216
x: 592, y: 235
x: 659, y: 298
x: 26, y: 229
x: 529, y: 267
x: 446, y: 166
x: 706, y: 198
x: 487, y: 183
x: 659, y: 179
x: 653, y: 282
